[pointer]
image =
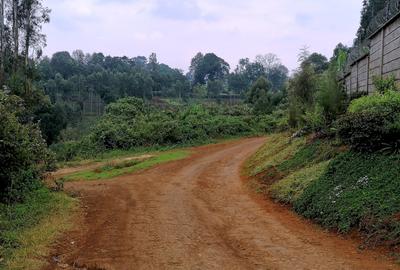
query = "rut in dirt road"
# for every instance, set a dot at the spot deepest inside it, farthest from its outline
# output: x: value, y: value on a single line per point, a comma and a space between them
x: 198, y: 214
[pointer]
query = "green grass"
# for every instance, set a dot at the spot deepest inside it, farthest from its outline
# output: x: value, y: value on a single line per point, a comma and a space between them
x: 111, y: 171
x: 276, y: 150
x: 111, y: 155
x: 27, y: 229
x: 290, y: 188
x: 338, y: 188
x: 357, y: 191
x: 307, y: 155
x: 115, y: 154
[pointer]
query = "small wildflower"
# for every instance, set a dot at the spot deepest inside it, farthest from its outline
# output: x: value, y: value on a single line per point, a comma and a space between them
x: 363, y: 181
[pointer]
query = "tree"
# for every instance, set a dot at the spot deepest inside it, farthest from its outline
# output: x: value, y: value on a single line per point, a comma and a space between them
x: 331, y: 95
x: 318, y: 61
x: 79, y: 57
x: 210, y: 67
x: 339, y: 57
x: 259, y: 95
x: 153, y: 62
x: 278, y: 76
x: 194, y: 63
x: 246, y: 73
x: 302, y: 89
x: 200, y: 91
x: 369, y: 11
x: 275, y: 71
x: 2, y: 43
x: 268, y: 61
x: 15, y: 28
x: 34, y: 16
x: 63, y: 63
x: 262, y: 84
x: 215, y: 88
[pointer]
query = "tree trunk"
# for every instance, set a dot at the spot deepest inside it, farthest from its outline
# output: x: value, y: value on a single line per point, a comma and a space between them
x: 28, y: 10
x: 15, y: 35
x: 1, y: 43
x: 27, y: 37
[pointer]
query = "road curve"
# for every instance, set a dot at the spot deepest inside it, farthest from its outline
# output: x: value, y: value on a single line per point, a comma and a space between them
x: 198, y: 214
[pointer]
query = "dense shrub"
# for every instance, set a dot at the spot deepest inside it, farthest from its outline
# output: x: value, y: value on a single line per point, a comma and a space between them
x: 383, y: 85
x: 131, y: 123
x: 369, y: 131
x: 372, y: 123
x: 389, y: 102
x: 357, y: 191
x: 24, y: 157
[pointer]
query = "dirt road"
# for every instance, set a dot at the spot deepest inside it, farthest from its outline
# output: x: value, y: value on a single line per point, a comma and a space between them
x: 198, y: 214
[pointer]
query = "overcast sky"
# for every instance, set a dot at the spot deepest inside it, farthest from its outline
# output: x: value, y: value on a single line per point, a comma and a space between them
x: 177, y: 29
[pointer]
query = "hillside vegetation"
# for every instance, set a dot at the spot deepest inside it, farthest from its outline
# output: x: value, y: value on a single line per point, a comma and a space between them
x: 132, y: 123
x: 339, y: 188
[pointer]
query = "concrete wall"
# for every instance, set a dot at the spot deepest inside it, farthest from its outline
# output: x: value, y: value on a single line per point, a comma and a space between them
x: 383, y: 59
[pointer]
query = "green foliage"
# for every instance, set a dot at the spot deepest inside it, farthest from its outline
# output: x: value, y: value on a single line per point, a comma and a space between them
x: 16, y: 221
x: 274, y: 152
x: 261, y: 96
x: 331, y: 97
x: 369, y: 131
x: 357, y: 191
x: 23, y: 152
x: 314, y: 118
x: 247, y: 73
x: 160, y: 127
x: 302, y: 89
x: 289, y: 189
x: 389, y: 102
x: 383, y: 85
x: 338, y: 188
x: 311, y: 153
x: 200, y: 91
x: 372, y: 123
x: 215, y: 87
x: 131, y: 123
x: 318, y: 62
x: 368, y: 12
x: 209, y: 67
x: 316, y: 98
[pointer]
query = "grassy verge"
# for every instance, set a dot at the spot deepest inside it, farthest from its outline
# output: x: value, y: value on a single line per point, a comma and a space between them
x: 357, y: 191
x: 28, y: 229
x: 123, y: 153
x: 126, y: 167
x: 337, y: 188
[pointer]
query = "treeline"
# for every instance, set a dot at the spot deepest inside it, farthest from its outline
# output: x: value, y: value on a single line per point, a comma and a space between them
x: 65, y: 76
x: 72, y: 80
x: 370, y: 9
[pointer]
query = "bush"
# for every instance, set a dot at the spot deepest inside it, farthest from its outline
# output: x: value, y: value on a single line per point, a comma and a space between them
x: 372, y: 123
x: 24, y: 156
x: 383, y: 85
x: 368, y: 131
x: 147, y: 126
x: 315, y: 119
x: 389, y: 102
